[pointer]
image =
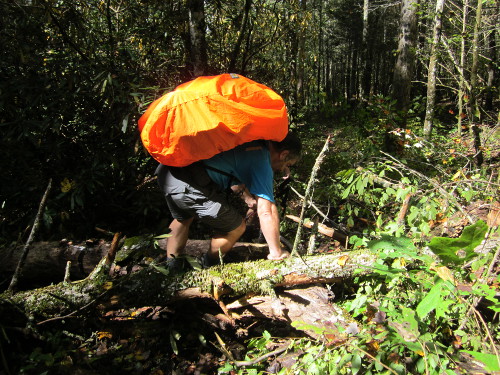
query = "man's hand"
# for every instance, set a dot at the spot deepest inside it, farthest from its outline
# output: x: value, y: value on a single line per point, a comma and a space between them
x: 242, y: 191
x: 250, y: 201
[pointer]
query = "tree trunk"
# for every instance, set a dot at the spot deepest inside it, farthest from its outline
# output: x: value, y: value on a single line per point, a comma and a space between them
x: 46, y: 261
x: 320, y: 61
x: 198, y: 51
x: 301, y: 46
x: 241, y: 35
x: 364, y: 88
x: 461, y: 88
x: 153, y: 285
x: 473, y: 106
x: 404, y: 69
x: 492, y: 69
x: 431, y: 75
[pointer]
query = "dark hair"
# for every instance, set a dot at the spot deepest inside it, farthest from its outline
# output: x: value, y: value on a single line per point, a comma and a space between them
x: 291, y: 143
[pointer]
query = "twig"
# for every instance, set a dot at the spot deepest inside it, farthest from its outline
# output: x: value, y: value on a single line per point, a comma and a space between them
x: 70, y: 315
x: 325, y: 216
x: 375, y: 359
x: 104, y: 231
x: 315, y: 169
x: 34, y: 230
x: 436, y: 185
x: 262, y: 358
x: 67, y: 272
x: 110, y: 256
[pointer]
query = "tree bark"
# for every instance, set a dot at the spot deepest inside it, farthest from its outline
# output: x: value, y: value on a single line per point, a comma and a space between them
x: 404, y: 69
x: 241, y: 35
x: 46, y: 261
x: 301, y: 46
x: 198, y: 52
x: 153, y: 285
x: 33, y: 233
x: 473, y: 106
x: 431, y: 75
x: 461, y: 88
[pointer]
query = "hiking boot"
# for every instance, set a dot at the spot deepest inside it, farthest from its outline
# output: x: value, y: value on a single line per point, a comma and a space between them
x: 207, y: 262
x: 177, y: 265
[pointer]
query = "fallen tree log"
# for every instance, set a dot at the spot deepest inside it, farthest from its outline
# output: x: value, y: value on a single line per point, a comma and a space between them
x: 46, y: 261
x: 151, y: 285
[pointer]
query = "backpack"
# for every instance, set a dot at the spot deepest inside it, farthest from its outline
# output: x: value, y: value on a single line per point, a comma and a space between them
x: 209, y: 115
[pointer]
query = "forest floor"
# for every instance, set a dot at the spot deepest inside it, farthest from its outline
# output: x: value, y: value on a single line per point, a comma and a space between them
x: 186, y: 337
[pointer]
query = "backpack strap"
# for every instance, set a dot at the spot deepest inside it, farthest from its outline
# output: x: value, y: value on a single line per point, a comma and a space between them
x: 231, y: 177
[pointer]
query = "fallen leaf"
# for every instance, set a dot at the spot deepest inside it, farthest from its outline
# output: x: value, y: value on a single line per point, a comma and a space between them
x: 444, y: 273
x: 102, y: 334
x: 342, y: 260
x: 493, y: 219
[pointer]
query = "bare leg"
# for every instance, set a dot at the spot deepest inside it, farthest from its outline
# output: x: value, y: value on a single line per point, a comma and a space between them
x: 178, y: 237
x: 224, y: 243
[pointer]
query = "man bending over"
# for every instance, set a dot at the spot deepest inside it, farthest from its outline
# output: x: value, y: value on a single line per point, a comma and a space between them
x: 198, y: 191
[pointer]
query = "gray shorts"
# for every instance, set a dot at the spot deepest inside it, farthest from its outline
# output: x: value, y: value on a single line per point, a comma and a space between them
x: 190, y: 192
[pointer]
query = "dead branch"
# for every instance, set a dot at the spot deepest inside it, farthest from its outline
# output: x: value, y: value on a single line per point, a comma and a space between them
x: 322, y: 228
x: 31, y: 237
x: 310, y: 184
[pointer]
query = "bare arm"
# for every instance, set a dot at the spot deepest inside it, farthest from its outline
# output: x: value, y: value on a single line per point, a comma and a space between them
x: 270, y: 226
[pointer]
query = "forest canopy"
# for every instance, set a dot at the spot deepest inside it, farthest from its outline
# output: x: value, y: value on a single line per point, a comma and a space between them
x: 76, y: 75
x: 403, y: 96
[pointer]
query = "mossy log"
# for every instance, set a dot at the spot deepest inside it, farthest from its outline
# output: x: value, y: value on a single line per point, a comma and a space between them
x: 152, y: 285
x: 47, y: 260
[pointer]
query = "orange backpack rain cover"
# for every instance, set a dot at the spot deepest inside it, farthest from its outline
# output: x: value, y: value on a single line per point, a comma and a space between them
x: 208, y: 115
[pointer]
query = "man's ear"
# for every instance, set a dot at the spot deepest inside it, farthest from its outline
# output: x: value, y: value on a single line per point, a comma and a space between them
x: 284, y: 155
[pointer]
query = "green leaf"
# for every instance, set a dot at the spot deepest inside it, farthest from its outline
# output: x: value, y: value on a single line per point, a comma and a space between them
x: 162, y: 270
x: 491, y: 361
x: 173, y: 344
x: 430, y: 301
x: 391, y: 243
x: 355, y: 364
x: 448, y: 249
x: 193, y: 262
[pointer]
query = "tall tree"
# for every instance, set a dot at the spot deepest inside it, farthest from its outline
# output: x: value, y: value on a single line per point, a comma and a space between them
x: 364, y: 89
x: 492, y: 57
x: 405, y: 64
x: 462, y: 82
x: 197, y: 26
x: 241, y: 34
x: 474, y: 108
x: 301, y: 45
x: 431, y: 71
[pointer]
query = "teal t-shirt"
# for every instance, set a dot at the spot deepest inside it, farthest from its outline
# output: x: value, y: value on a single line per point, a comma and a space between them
x: 250, y: 164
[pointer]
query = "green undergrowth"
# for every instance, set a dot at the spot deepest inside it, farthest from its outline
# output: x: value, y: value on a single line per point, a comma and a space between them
x: 430, y: 305
x: 418, y: 320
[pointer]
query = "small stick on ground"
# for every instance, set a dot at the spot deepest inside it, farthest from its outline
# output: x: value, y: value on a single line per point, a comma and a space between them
x: 34, y: 230
x: 110, y: 257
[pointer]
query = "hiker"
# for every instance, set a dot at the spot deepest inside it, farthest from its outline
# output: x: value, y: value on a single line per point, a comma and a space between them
x: 199, y: 191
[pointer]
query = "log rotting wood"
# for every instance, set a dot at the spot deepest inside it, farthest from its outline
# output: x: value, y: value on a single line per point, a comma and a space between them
x: 46, y: 261
x: 152, y: 284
